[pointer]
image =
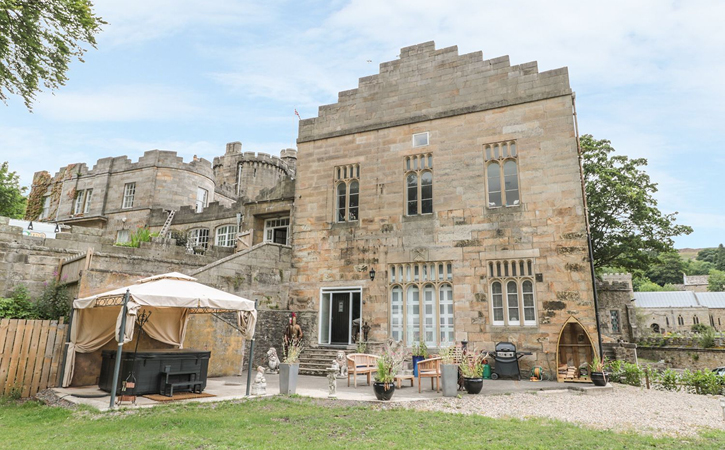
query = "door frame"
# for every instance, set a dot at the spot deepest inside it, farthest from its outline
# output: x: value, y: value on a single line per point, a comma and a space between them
x: 331, y: 290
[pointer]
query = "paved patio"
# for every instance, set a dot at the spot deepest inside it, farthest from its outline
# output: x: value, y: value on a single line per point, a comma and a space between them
x: 231, y: 388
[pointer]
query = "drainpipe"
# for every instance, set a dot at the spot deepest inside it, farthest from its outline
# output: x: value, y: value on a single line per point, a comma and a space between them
x: 589, y: 232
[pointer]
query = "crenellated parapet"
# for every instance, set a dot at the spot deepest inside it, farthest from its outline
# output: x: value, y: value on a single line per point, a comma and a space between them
x: 426, y: 84
x: 247, y: 173
x: 615, y: 282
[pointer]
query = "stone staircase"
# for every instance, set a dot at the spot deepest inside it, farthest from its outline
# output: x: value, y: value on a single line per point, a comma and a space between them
x: 314, y: 360
x: 609, y: 353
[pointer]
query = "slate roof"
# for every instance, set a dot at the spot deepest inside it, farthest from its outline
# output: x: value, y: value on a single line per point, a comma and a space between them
x: 711, y: 299
x: 679, y: 299
x: 670, y: 299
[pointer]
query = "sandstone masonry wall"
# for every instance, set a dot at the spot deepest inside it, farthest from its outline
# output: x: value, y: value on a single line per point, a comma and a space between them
x: 463, y: 103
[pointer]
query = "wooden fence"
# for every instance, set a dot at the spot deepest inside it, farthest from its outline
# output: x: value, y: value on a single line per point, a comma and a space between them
x: 30, y: 355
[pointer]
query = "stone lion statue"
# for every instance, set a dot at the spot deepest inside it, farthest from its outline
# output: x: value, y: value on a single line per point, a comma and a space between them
x: 273, y: 360
x: 342, y: 363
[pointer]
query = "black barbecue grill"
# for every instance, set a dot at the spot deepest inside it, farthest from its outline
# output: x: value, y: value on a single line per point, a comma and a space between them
x: 507, y: 361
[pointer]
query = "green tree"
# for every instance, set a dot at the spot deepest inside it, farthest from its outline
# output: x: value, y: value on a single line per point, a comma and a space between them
x: 720, y: 257
x: 695, y: 267
x: 716, y: 281
x: 668, y: 268
x: 12, y: 202
x: 38, y: 39
x: 707, y: 255
x: 628, y: 230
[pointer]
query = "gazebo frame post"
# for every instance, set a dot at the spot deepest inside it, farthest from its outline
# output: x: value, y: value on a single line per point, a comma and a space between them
x: 251, y: 354
x: 121, y: 334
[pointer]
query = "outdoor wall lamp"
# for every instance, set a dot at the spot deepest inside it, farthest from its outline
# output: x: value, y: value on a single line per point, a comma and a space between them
x: 30, y: 226
x: 372, y: 274
x: 57, y: 228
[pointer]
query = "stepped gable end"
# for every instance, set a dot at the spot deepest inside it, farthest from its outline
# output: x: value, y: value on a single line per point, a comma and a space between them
x: 425, y: 84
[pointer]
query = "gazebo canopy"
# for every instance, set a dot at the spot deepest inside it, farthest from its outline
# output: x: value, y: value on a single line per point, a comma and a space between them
x: 170, y: 298
x: 170, y: 290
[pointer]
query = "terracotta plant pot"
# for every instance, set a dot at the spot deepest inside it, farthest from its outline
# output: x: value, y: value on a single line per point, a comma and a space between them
x: 473, y: 385
x: 383, y: 391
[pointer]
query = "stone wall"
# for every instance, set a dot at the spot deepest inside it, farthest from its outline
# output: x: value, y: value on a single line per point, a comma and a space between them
x: 621, y: 351
x: 615, y: 295
x: 271, y: 325
x: 685, y: 358
x: 464, y: 103
x: 260, y: 273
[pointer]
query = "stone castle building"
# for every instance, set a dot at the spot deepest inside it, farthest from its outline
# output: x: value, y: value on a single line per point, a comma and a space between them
x: 454, y: 180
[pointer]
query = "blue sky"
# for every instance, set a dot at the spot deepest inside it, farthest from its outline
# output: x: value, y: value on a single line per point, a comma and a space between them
x: 192, y: 75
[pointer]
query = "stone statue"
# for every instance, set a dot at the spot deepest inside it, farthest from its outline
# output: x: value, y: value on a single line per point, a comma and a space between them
x: 332, y: 382
x: 260, y: 383
x: 273, y: 360
x: 341, y: 361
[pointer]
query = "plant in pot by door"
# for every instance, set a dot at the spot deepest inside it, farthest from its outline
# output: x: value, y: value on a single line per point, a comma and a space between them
x: 599, y: 377
x: 472, y: 371
x: 449, y: 372
x: 420, y: 352
x: 290, y: 366
x: 389, y: 364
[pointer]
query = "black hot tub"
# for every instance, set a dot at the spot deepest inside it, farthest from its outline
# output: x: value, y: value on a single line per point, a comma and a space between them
x: 151, y: 368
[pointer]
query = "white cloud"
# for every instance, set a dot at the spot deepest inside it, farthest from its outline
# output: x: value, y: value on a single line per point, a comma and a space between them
x: 119, y: 103
x: 137, y: 21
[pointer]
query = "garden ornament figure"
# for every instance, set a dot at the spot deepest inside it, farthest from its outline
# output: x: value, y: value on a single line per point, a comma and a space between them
x: 260, y: 383
x: 341, y: 363
x: 273, y: 360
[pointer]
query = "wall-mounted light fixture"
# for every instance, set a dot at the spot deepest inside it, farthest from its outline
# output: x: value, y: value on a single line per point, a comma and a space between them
x: 57, y: 228
x: 372, y: 274
x: 30, y: 226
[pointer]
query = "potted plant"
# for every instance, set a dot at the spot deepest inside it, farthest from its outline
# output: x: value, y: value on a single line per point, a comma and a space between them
x: 599, y: 377
x: 290, y: 366
x: 420, y: 352
x: 472, y: 370
x: 449, y: 372
x: 389, y: 364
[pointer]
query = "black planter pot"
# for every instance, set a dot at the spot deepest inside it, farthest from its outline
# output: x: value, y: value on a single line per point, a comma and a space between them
x: 599, y: 378
x: 473, y: 385
x: 383, y: 391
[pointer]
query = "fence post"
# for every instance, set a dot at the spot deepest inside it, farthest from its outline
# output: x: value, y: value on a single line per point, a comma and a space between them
x: 646, y: 376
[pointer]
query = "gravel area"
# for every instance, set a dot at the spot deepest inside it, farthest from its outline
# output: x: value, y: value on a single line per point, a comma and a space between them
x: 626, y: 408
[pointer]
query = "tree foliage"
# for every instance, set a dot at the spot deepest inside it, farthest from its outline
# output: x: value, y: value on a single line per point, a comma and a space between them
x: 707, y: 255
x: 38, y: 39
x: 12, y: 202
x: 716, y: 281
x: 668, y: 268
x: 628, y: 230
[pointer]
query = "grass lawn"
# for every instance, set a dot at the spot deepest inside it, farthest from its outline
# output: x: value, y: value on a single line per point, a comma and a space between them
x: 292, y: 423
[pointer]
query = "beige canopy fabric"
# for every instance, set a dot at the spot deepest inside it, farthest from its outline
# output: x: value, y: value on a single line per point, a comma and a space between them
x: 170, y: 298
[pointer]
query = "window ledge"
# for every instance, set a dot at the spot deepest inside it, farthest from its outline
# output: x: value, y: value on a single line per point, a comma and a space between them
x: 350, y: 224
x: 418, y: 217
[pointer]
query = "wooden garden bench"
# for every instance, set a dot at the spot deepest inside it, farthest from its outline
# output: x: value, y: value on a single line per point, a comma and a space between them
x: 430, y: 368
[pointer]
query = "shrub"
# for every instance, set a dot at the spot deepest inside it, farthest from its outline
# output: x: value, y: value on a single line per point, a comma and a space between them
x: 702, y: 382
x: 142, y: 234
x: 707, y: 338
x: 669, y: 380
x: 54, y: 302
x: 18, y: 306
x: 625, y: 373
x: 700, y: 328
